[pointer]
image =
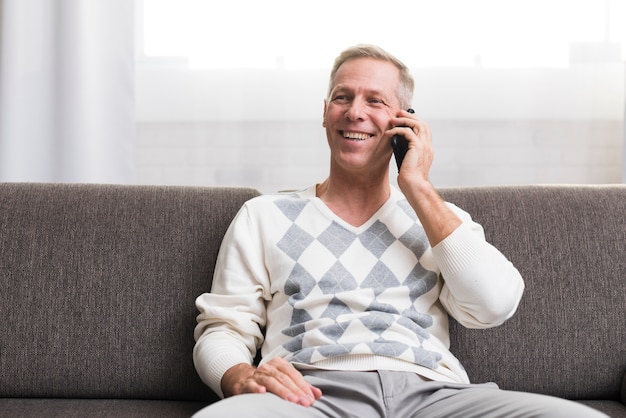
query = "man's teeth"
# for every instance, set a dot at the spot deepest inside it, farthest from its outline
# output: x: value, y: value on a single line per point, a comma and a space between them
x: 356, y: 136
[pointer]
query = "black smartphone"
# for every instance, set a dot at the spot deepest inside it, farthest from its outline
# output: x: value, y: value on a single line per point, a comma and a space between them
x: 400, y: 146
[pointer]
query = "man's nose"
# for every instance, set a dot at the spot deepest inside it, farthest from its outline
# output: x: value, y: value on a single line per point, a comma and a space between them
x: 356, y: 110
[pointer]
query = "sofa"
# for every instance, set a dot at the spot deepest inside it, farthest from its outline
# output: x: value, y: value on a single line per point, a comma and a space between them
x: 98, y: 283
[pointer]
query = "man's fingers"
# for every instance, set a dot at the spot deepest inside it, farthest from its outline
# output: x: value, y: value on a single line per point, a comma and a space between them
x: 282, y: 379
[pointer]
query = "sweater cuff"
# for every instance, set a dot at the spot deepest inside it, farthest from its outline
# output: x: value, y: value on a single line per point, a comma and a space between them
x: 214, y: 359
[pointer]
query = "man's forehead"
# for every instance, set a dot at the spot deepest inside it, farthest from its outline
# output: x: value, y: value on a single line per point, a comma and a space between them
x: 354, y: 87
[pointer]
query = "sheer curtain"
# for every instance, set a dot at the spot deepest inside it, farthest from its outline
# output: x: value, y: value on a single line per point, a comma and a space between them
x: 67, y: 98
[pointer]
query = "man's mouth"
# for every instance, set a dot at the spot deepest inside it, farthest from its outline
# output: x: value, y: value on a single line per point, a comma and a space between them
x: 356, y: 136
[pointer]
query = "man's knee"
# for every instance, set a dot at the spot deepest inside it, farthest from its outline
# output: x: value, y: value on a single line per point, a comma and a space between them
x: 253, y: 405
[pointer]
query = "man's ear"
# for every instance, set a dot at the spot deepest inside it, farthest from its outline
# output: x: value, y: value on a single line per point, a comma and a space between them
x: 324, y: 115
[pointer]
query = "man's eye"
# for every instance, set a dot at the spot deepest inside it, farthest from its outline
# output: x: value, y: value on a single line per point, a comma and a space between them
x: 340, y: 99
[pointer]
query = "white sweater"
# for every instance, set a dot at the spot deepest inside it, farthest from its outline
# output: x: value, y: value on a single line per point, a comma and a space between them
x: 299, y: 282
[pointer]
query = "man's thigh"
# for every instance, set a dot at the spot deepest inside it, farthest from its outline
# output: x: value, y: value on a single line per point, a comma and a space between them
x: 256, y: 405
x: 495, y: 403
x: 344, y: 395
x: 398, y: 394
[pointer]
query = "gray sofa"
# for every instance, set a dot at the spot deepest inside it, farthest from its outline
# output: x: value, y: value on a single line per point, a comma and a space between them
x: 97, y: 289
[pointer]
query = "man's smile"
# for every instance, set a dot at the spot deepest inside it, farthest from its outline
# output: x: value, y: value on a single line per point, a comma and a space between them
x: 356, y: 136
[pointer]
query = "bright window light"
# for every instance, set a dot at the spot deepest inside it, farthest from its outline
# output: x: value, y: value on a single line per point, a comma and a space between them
x: 297, y: 35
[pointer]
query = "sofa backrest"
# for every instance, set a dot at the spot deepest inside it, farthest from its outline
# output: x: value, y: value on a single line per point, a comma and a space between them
x: 98, y: 282
x: 568, y: 337
x: 97, y: 287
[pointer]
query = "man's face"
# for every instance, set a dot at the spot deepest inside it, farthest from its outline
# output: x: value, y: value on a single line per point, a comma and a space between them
x: 358, y: 111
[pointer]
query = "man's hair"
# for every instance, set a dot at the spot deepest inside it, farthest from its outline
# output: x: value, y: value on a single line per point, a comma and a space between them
x: 406, y: 84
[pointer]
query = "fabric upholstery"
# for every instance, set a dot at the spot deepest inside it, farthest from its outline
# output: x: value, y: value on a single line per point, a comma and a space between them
x: 568, y: 337
x: 98, y: 283
x: 98, y: 287
x: 611, y: 408
x: 101, y: 408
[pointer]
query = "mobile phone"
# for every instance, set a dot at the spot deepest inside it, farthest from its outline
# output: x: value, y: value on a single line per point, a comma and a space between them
x: 400, y: 146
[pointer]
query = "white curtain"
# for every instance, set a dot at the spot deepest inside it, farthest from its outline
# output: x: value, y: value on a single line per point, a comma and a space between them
x: 66, y: 91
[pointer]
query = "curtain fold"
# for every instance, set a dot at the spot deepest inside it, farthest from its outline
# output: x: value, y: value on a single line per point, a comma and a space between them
x: 66, y: 91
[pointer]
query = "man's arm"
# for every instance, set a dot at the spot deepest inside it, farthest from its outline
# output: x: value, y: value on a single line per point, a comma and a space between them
x: 436, y: 217
x: 230, y: 322
x: 482, y: 288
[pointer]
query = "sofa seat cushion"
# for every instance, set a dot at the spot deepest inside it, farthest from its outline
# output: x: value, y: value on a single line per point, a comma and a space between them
x: 80, y: 408
x: 611, y: 408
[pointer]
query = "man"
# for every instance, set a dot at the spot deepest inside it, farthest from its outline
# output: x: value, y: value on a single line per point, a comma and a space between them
x: 346, y: 286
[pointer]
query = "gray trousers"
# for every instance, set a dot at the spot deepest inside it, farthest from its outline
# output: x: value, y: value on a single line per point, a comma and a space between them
x: 398, y: 395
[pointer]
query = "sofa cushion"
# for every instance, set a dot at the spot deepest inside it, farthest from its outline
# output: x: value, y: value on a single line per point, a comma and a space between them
x: 97, y: 287
x: 614, y: 409
x: 567, y: 337
x: 81, y: 408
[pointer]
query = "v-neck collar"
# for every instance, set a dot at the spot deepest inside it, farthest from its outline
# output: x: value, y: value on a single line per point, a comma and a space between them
x: 311, y: 194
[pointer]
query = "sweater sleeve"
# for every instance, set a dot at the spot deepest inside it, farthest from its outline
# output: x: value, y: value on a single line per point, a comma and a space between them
x: 232, y: 316
x: 481, y: 288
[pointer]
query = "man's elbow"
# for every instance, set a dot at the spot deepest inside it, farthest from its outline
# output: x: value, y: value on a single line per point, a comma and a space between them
x: 496, y: 310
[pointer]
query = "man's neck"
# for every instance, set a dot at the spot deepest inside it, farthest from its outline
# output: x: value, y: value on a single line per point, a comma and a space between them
x: 354, y: 201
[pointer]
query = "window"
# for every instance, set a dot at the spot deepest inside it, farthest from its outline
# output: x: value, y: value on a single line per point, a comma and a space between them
x: 231, y: 93
x: 296, y: 35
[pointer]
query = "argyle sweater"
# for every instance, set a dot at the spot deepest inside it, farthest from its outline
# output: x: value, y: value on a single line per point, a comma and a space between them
x: 298, y: 282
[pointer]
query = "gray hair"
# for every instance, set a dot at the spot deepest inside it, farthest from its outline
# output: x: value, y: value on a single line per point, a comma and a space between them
x: 406, y: 84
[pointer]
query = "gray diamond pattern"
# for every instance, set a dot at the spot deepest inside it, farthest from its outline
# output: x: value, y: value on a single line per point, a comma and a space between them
x: 377, y: 306
x: 336, y: 308
x: 337, y: 279
x: 337, y: 239
x: 378, y: 322
x: 295, y: 241
x: 299, y: 284
x: 426, y: 358
x: 420, y: 282
x: 291, y: 208
x: 335, y: 331
x: 377, y: 238
x: 380, y: 279
x: 389, y: 348
x: 415, y: 239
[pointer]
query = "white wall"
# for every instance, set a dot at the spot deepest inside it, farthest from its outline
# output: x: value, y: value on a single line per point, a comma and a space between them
x: 490, y: 126
x: 168, y: 91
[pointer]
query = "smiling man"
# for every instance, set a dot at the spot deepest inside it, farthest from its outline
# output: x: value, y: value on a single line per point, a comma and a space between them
x: 345, y: 287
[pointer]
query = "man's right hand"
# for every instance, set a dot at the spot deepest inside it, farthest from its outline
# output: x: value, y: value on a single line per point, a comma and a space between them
x: 277, y: 376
